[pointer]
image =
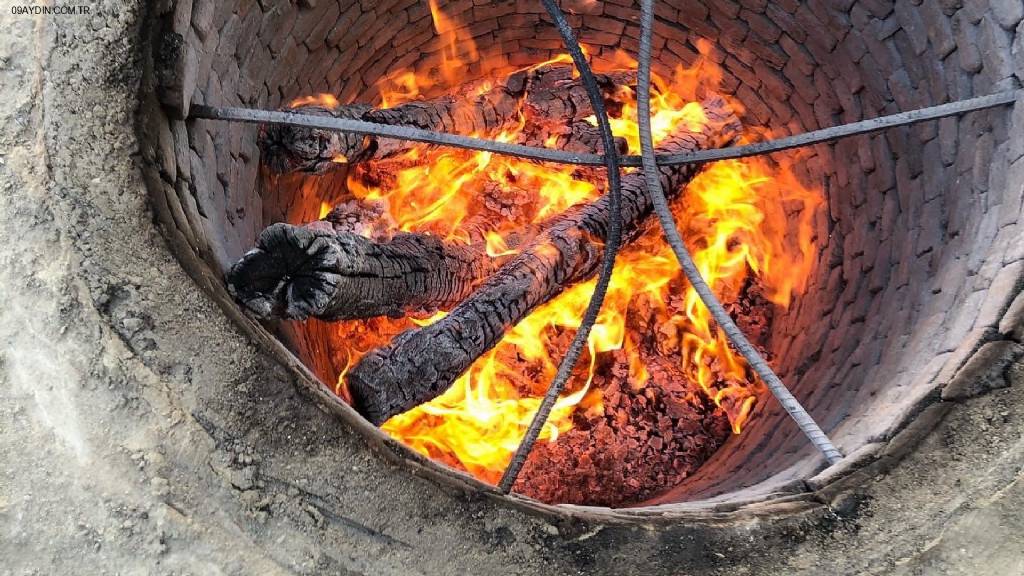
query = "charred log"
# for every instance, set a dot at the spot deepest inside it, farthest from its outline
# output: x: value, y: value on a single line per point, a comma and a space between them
x: 346, y: 266
x: 298, y: 272
x: 420, y: 364
x: 547, y: 95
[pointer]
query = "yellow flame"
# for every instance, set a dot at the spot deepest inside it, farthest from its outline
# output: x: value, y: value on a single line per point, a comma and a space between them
x: 325, y: 100
x: 496, y: 245
x: 739, y: 217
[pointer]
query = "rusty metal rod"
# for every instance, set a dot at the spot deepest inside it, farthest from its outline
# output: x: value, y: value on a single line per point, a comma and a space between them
x: 737, y: 339
x: 612, y: 244
x: 257, y: 116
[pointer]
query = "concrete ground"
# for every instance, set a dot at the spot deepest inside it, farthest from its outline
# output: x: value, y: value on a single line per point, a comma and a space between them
x: 141, y: 433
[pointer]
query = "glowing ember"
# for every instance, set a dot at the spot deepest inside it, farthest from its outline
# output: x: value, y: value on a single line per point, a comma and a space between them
x: 740, y: 218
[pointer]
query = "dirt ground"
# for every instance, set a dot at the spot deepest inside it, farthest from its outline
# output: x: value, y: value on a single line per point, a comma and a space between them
x: 141, y: 433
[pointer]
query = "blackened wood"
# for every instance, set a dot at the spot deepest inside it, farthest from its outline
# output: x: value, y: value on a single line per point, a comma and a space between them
x: 297, y: 272
x: 547, y: 95
x: 420, y: 364
x: 285, y: 148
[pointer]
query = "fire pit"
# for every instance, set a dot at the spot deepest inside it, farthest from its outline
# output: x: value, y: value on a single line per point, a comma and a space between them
x: 870, y: 273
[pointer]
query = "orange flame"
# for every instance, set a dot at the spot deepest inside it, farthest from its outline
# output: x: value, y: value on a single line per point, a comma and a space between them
x: 740, y: 218
x: 325, y: 100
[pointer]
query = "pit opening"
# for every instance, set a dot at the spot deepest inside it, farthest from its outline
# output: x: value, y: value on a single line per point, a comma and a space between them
x: 919, y: 222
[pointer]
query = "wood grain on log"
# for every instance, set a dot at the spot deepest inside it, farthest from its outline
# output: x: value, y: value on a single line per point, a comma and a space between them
x: 301, y: 271
x: 347, y: 266
x: 420, y: 364
x: 547, y: 95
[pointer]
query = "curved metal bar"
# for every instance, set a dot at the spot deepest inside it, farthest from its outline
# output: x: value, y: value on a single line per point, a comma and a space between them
x: 612, y: 242
x: 736, y: 337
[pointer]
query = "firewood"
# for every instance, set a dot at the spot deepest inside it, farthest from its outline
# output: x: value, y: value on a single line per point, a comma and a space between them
x: 547, y: 95
x: 420, y: 364
x: 346, y: 266
x: 323, y: 271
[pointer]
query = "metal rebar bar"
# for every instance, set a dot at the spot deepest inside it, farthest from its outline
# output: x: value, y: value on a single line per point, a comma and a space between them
x: 257, y: 116
x: 735, y: 336
x: 614, y: 238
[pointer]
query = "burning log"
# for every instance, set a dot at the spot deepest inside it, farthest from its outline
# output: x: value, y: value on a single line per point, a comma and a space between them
x: 331, y: 270
x: 547, y: 95
x: 420, y: 364
x: 347, y: 266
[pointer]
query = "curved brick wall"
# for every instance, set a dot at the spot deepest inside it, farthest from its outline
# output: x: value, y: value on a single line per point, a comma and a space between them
x: 922, y: 244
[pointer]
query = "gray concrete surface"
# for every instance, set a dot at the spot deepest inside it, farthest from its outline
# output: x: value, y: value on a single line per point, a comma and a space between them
x: 140, y: 433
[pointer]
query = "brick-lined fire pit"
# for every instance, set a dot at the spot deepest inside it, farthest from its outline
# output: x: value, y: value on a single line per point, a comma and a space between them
x: 920, y: 251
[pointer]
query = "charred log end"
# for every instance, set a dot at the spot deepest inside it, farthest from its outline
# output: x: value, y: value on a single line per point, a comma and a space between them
x: 370, y: 381
x: 294, y: 148
x: 290, y: 273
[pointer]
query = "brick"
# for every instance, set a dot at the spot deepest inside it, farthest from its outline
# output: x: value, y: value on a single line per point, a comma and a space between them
x: 1007, y: 12
x: 600, y: 38
x: 694, y: 16
x: 1015, y: 146
x: 682, y: 51
x: 849, y: 99
x: 912, y: 22
x: 743, y: 73
x: 760, y: 25
x: 493, y: 10
x: 984, y: 371
x: 884, y: 176
x: 1017, y: 51
x: 548, y: 44
x: 983, y: 160
x: 624, y: 13
x: 937, y: 25
x: 480, y: 28
x: 995, y: 46
x: 277, y: 27
x: 785, y: 21
x: 519, y: 20
x: 878, y: 8
x: 1004, y: 287
x: 181, y: 19
x: 202, y: 17
x: 755, y: 106
x: 1012, y: 323
x: 1013, y: 194
x: 754, y: 5
x: 772, y: 81
x: 318, y: 35
x: 604, y: 24
x: 935, y: 79
x: 247, y: 33
x: 766, y: 51
x: 821, y: 36
x: 350, y: 26
x: 903, y: 91
x: 967, y: 45
x: 948, y: 139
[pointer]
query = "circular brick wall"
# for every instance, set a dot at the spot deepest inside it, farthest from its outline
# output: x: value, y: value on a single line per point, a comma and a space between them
x: 921, y: 245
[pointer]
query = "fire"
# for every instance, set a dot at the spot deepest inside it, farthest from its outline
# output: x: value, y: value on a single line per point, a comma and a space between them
x: 321, y: 99
x: 741, y: 219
